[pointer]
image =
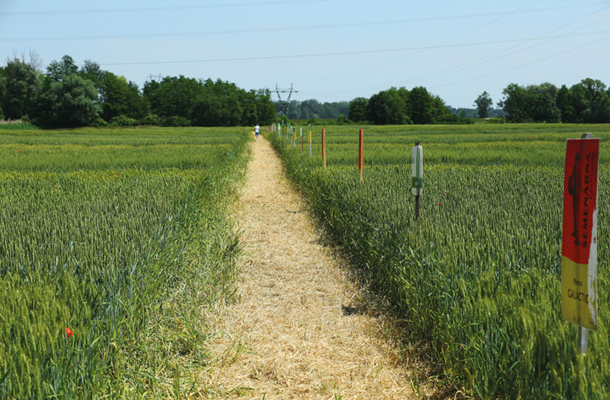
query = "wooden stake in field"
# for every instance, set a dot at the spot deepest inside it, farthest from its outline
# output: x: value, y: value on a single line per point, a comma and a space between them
x: 361, y: 153
x: 417, y: 175
x: 302, y: 142
x: 324, y: 145
x: 309, y: 140
x: 294, y: 137
x: 579, y: 238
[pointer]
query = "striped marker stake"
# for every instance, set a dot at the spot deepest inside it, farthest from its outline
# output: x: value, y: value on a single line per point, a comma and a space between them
x: 309, y: 140
x: 417, y: 175
x: 324, y: 146
x: 361, y: 153
x: 294, y: 137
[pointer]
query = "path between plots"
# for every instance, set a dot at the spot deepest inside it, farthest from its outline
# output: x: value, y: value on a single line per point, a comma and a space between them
x: 292, y: 334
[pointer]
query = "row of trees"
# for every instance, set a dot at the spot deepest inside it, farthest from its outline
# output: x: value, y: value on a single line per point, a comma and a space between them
x: 312, y: 109
x: 402, y: 106
x: 68, y: 96
x: 584, y: 102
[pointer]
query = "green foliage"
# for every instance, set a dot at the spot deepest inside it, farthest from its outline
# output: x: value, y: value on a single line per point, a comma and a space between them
x: 313, y: 109
x: 483, y: 104
x: 99, y: 122
x: 17, y: 126
x: 401, y: 106
x: 116, y: 234
x: 175, y: 121
x: 341, y: 120
x: 121, y: 98
x: 587, y: 102
x: 477, y: 277
x: 75, y: 103
x: 151, y: 119
x: 19, y: 87
x: 57, y: 70
x: 358, y: 109
x: 123, y: 121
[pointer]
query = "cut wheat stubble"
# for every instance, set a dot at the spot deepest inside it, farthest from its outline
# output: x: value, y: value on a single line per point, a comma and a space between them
x: 292, y: 333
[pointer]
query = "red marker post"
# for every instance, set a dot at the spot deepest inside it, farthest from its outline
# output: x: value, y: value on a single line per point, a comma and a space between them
x: 579, y: 238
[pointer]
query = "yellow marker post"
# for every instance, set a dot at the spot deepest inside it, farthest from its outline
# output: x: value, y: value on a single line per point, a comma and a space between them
x: 309, y: 140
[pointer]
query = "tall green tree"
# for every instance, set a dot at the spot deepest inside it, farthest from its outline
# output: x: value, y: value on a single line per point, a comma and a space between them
x: 483, y: 104
x: 19, y: 89
x: 172, y: 96
x: 387, y: 107
x: 596, y: 101
x: 57, y: 70
x: 121, y: 98
x: 516, y: 103
x: 565, y: 105
x: 420, y: 106
x: 357, y: 109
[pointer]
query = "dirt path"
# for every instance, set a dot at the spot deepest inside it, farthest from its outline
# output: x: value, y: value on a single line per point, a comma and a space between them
x: 291, y: 333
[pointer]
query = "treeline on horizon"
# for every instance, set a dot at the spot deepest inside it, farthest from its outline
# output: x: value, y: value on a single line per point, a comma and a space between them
x: 585, y: 102
x: 68, y: 96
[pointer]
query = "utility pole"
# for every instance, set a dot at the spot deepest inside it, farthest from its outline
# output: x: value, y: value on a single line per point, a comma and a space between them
x: 284, y: 104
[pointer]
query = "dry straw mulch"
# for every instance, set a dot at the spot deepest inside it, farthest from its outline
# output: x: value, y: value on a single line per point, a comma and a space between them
x: 292, y: 332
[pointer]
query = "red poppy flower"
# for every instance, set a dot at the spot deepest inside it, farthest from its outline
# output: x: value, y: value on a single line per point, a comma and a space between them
x: 69, y: 332
x: 444, y: 194
x: 440, y: 205
x: 20, y: 151
x: 117, y: 175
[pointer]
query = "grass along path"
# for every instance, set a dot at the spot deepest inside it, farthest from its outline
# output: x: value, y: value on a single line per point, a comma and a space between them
x: 291, y: 333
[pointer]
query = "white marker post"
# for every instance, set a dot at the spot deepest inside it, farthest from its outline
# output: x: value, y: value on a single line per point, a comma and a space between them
x: 279, y: 130
x: 417, y: 175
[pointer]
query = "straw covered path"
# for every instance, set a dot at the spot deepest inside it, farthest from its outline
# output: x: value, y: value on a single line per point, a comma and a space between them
x: 292, y: 332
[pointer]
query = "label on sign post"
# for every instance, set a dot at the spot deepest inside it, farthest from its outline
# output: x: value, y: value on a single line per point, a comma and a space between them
x: 417, y: 171
x: 579, y: 239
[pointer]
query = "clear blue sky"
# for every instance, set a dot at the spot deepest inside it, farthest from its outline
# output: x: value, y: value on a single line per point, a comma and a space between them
x: 331, y: 50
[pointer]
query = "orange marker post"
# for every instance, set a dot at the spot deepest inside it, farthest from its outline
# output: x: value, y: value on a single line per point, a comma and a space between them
x: 361, y: 153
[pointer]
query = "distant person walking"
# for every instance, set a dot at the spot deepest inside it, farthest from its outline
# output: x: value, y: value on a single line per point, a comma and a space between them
x: 257, y: 130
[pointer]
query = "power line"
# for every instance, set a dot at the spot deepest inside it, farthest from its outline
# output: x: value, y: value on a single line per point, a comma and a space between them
x: 526, y: 64
x: 493, y: 57
x: 154, y: 9
x: 277, y: 29
x: 347, y: 53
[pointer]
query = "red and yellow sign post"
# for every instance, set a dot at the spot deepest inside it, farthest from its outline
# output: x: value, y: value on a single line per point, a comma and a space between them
x: 579, y: 239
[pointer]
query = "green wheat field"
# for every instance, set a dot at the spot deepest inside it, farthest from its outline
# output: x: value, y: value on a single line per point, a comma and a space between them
x: 477, y: 277
x: 112, y: 241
